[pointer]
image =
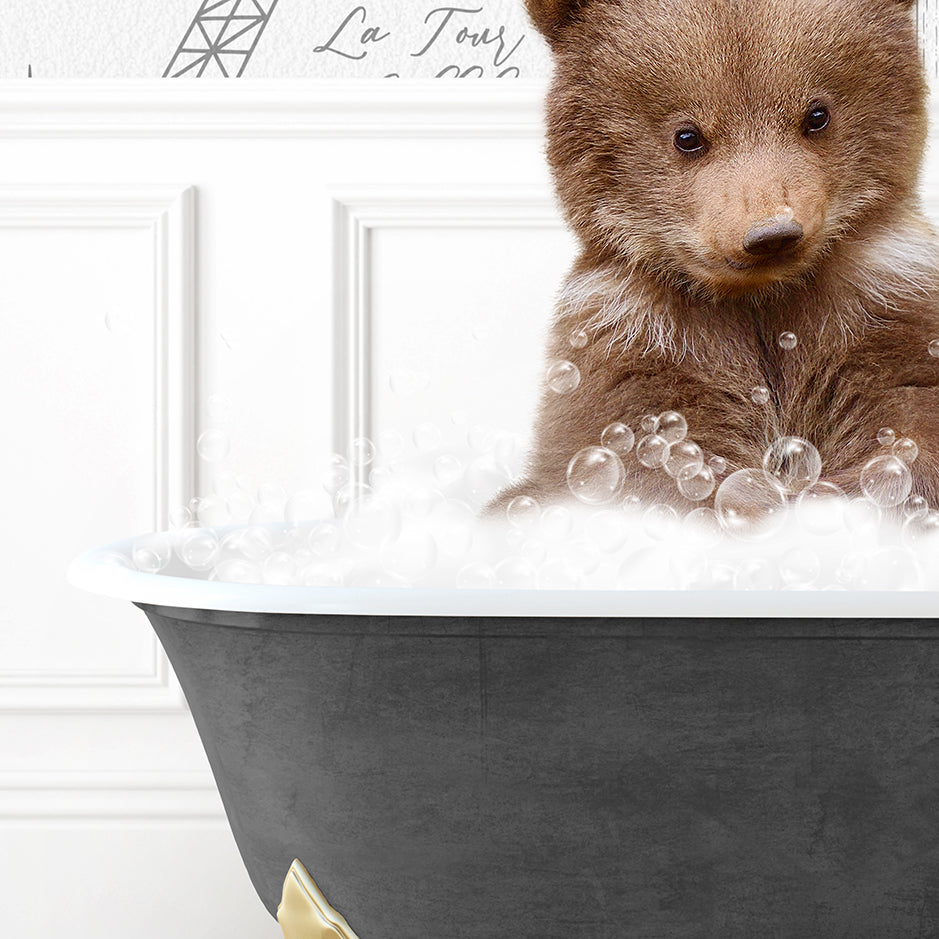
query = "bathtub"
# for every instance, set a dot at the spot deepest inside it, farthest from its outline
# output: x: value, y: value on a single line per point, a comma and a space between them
x: 550, y: 764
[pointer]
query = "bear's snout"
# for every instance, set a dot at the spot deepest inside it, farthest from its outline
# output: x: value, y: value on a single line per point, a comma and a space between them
x: 772, y: 236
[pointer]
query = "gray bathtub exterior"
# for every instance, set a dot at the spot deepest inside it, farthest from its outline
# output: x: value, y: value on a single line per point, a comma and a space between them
x: 537, y: 778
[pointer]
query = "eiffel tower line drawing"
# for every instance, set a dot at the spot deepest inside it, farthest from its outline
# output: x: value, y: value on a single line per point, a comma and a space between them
x: 221, y: 38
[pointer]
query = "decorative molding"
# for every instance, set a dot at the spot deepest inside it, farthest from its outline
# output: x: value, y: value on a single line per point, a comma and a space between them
x: 128, y: 797
x: 167, y: 212
x: 304, y: 913
x: 271, y: 108
x: 292, y: 108
x: 357, y: 214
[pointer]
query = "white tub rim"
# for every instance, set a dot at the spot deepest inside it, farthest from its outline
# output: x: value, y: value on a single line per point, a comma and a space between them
x: 96, y: 572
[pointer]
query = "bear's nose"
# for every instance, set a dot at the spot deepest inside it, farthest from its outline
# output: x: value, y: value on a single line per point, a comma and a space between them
x: 772, y: 236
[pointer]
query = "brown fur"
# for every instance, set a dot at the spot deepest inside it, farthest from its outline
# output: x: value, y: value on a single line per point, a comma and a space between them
x: 672, y: 324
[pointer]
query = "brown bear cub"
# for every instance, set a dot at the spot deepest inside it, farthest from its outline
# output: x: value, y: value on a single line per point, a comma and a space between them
x: 743, y: 178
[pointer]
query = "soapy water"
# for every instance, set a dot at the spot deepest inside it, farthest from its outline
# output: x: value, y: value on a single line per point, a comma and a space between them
x: 406, y: 513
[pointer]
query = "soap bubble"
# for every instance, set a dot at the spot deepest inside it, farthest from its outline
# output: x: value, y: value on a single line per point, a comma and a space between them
x: 324, y: 539
x: 454, y: 528
x: 934, y: 348
x: 915, y: 507
x: 380, y: 476
x: 180, y: 517
x: 684, y: 458
x: 760, y: 394
x: 649, y: 423
x: 886, y: 481
x: 516, y: 573
x: 557, y: 522
x: 336, y: 475
x: 419, y: 502
x: 862, y: 517
x: 788, y: 341
x: 820, y: 508
x: 352, y: 495
x: 534, y: 551
x: 652, y: 451
x: 799, y: 567
x: 672, y: 426
x: 579, y: 556
x: 702, y: 527
x: 563, y: 377
x: 660, y: 521
x: 152, y: 552
x: 619, y: 438
x: 213, y: 511
x: 886, y: 436
x: 852, y: 569
x: 481, y: 438
x: 579, y: 338
x: 447, y: 469
x: 317, y: 574
x: 253, y: 543
x: 607, y: 530
x: 696, y: 484
x: 390, y: 445
x: 523, y: 512
x: 555, y: 575
x: 240, y: 506
x: 485, y: 477
x: 514, y: 538
x: 508, y: 448
x: 749, y: 505
x: 906, y: 450
x: 412, y: 555
x: 755, y: 574
x: 236, y: 571
x: 266, y: 513
x: 427, y: 437
x: 225, y: 484
x: 279, y: 568
x: 595, y: 475
x: 792, y: 463
x: 363, y: 451
x: 892, y: 567
x: 373, y: 522
x: 718, y: 464
x: 198, y: 548
x: 213, y: 445
x: 305, y: 505
x: 475, y: 576
x: 922, y: 529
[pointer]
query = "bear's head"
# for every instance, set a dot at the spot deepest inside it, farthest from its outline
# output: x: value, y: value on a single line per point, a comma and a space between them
x: 728, y: 145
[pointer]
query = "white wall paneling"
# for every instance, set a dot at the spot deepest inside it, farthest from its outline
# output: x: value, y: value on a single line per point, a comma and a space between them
x: 361, y: 217
x: 159, y: 341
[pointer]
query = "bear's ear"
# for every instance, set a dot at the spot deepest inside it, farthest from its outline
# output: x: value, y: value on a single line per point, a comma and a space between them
x: 549, y: 16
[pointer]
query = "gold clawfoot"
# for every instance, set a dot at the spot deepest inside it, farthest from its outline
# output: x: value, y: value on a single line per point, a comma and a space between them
x: 304, y: 913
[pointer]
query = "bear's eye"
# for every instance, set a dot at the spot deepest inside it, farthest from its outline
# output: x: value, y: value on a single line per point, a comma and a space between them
x: 817, y: 119
x: 689, y: 140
